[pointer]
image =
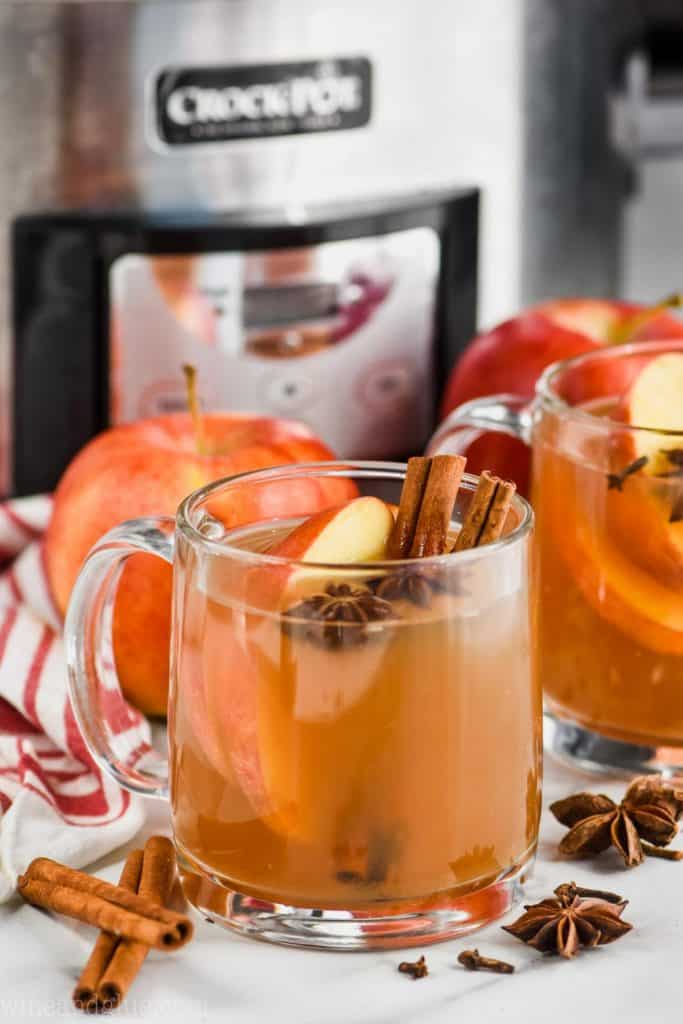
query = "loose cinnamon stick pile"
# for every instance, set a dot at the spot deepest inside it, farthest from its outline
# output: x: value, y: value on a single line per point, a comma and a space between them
x: 132, y: 916
x: 424, y: 515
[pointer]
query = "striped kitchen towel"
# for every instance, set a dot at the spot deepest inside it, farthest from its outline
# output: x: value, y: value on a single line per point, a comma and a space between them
x: 53, y: 798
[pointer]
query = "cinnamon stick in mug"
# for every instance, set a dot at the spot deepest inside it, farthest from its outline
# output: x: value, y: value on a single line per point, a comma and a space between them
x: 498, y: 512
x: 156, y: 881
x: 401, y: 537
x: 85, y: 993
x: 477, y: 511
x: 487, y: 513
x: 431, y: 531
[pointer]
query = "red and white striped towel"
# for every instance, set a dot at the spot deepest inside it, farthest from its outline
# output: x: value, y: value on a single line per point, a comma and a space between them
x: 53, y: 799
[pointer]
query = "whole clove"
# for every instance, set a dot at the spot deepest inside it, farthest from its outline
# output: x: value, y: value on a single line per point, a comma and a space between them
x: 472, y: 960
x: 416, y: 969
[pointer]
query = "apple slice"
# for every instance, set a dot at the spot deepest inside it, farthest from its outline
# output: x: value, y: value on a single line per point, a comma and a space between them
x: 625, y: 594
x: 353, y: 532
x: 642, y: 511
x: 630, y: 596
x: 294, y: 691
x: 655, y: 402
x: 356, y: 531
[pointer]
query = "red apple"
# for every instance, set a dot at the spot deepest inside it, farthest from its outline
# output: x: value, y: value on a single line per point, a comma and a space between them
x: 511, y: 357
x: 147, y: 468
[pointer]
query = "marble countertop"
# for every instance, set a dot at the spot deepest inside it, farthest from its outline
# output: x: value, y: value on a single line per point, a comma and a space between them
x: 223, y: 977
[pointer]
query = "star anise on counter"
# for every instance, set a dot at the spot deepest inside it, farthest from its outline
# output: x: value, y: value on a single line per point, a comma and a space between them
x: 648, y: 814
x: 338, y: 617
x: 416, y: 586
x: 562, y: 924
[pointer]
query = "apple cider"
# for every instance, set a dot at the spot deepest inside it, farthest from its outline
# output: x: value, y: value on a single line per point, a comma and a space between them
x: 345, y: 749
x: 610, y: 545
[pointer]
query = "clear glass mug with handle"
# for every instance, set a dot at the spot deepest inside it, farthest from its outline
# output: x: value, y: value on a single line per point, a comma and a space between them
x: 607, y: 490
x: 349, y: 782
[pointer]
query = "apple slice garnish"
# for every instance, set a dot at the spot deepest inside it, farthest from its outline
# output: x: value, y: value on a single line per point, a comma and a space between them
x: 626, y: 595
x: 295, y: 687
x: 641, y: 513
x: 237, y: 708
x: 655, y: 403
x: 356, y: 531
x: 620, y: 590
x: 353, y: 532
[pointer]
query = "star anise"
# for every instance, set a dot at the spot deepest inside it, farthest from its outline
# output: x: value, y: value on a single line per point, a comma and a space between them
x: 416, y: 586
x: 338, y: 617
x: 562, y: 924
x: 649, y: 811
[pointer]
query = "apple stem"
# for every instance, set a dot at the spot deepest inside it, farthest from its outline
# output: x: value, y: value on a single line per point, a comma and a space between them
x: 628, y: 328
x: 193, y: 406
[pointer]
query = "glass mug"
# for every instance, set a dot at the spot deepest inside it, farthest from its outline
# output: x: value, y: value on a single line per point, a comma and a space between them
x: 610, y: 549
x: 361, y: 782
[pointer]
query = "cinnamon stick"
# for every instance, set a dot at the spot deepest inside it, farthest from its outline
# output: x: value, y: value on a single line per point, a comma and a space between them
x: 85, y: 993
x: 44, y: 874
x: 156, y: 880
x: 487, y: 512
x: 477, y: 512
x: 403, y: 532
x: 498, y: 512
x: 93, y: 910
x: 436, y: 509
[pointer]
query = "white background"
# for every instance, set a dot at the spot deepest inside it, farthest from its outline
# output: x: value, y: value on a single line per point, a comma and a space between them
x: 222, y: 977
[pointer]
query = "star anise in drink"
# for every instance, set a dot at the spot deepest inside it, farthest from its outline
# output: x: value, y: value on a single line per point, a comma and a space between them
x: 416, y: 585
x: 570, y: 919
x: 644, y: 821
x: 340, y: 616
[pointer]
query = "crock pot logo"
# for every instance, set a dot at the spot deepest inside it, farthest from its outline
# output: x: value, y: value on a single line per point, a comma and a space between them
x: 219, y: 104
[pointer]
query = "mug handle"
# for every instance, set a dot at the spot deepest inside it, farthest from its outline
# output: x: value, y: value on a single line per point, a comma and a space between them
x: 506, y: 414
x: 89, y: 651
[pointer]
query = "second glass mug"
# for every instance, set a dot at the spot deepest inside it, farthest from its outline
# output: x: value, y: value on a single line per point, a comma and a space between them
x: 610, y: 549
x: 350, y: 785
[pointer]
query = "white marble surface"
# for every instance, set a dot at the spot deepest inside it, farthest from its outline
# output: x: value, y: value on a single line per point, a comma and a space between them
x: 222, y: 977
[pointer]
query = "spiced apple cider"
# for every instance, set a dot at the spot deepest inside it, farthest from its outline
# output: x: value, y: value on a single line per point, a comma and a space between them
x: 609, y: 500
x: 355, y: 720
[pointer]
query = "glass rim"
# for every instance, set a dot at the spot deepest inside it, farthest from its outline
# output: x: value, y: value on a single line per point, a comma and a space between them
x: 339, y: 468
x: 551, y: 399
